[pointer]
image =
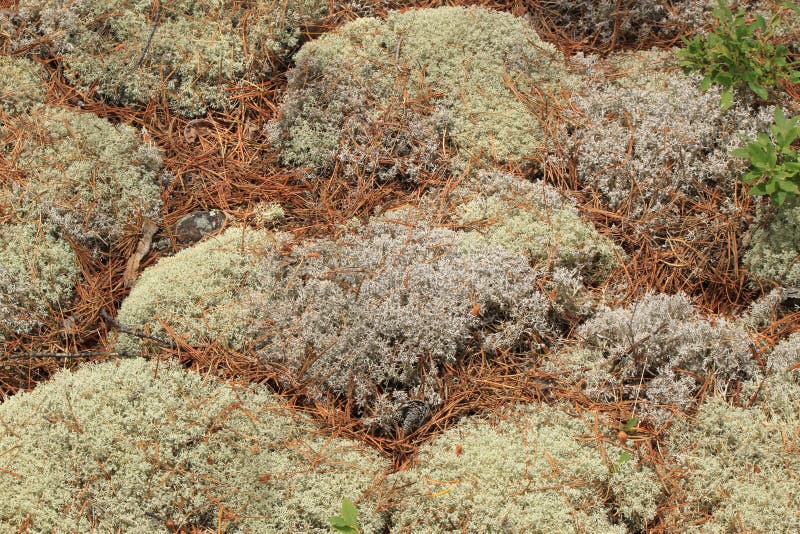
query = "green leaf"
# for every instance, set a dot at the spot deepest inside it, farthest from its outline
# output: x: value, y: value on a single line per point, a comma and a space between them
x: 742, y: 152
x: 789, y: 187
x: 727, y: 100
x: 758, y: 89
x: 758, y: 190
x: 705, y: 84
x: 349, y: 511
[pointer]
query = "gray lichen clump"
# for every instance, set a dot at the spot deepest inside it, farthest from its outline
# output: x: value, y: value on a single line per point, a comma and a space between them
x: 773, y: 252
x: 652, y: 139
x: 88, y: 178
x: 20, y: 85
x: 373, y: 315
x: 197, y: 48
x: 140, y: 447
x: 738, y: 465
x: 656, y: 351
x: 385, y: 96
x: 38, y: 273
x: 536, y: 220
x: 206, y: 293
x: 533, y: 469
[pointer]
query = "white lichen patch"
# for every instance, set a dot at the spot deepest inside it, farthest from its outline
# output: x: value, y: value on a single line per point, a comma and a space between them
x: 773, y: 251
x: 140, y: 447
x: 21, y: 85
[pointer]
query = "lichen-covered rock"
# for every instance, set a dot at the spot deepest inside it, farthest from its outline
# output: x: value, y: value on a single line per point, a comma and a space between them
x: 206, y: 293
x: 38, y: 273
x: 384, y: 97
x: 373, y: 315
x: 658, y: 351
x: 534, y: 219
x: 651, y: 138
x: 90, y: 179
x: 197, y: 47
x: 534, y: 469
x: 20, y: 85
x: 773, y: 251
x: 738, y: 467
x: 132, y: 446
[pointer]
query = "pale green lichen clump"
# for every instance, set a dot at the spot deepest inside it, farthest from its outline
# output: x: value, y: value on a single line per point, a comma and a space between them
x: 132, y: 446
x: 197, y: 49
x: 411, y: 82
x: 38, y: 273
x: 536, y: 220
x: 206, y: 293
x: 20, y: 85
x: 773, y: 252
x: 535, y: 470
x: 90, y: 179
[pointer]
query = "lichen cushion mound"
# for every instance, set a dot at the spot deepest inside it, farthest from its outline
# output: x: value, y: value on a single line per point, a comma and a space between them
x: 133, y: 446
x: 90, y: 179
x: 20, y: 84
x: 197, y: 47
x: 773, y: 251
x: 533, y: 469
x: 657, y: 351
x: 739, y: 466
x: 374, y: 314
x: 383, y: 96
x: 38, y: 273
x: 536, y: 220
x: 206, y: 293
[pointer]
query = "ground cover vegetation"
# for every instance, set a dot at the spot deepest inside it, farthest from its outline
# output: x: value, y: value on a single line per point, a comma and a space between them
x: 370, y: 266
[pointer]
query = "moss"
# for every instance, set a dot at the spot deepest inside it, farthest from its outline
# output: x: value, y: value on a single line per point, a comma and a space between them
x: 205, y: 293
x: 136, y: 447
x: 21, y: 87
x: 428, y: 74
x: 37, y: 277
x: 773, y: 252
x: 534, y: 470
x: 738, y: 467
x: 533, y: 219
x: 197, y: 49
x: 87, y: 177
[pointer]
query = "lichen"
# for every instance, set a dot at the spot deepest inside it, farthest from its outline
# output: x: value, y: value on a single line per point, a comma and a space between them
x: 532, y: 469
x: 21, y: 85
x: 197, y: 48
x: 773, y: 251
x: 37, y: 277
x: 206, y: 293
x: 387, y: 95
x: 90, y: 179
x: 141, y: 447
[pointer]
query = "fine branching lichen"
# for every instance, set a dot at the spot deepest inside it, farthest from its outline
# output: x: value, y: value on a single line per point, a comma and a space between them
x: 773, y: 252
x: 389, y: 95
x: 134, y: 51
x: 657, y: 352
x: 373, y: 315
x: 21, y: 86
x: 134, y: 446
x: 536, y: 468
x: 90, y: 179
x: 206, y: 293
x: 38, y: 273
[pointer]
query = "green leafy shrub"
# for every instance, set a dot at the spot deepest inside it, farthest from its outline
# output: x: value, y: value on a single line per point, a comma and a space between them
x: 205, y: 293
x: 88, y: 178
x: 38, y: 273
x: 383, y: 96
x: 738, y: 466
x: 20, y: 85
x: 139, y: 447
x: 773, y: 251
x: 197, y: 47
x: 738, y: 53
x: 533, y: 469
x: 774, y: 164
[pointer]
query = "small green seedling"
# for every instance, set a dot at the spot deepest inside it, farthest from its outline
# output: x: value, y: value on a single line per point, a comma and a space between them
x: 347, y: 522
x: 739, y: 52
x: 774, y: 164
x: 629, y: 427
